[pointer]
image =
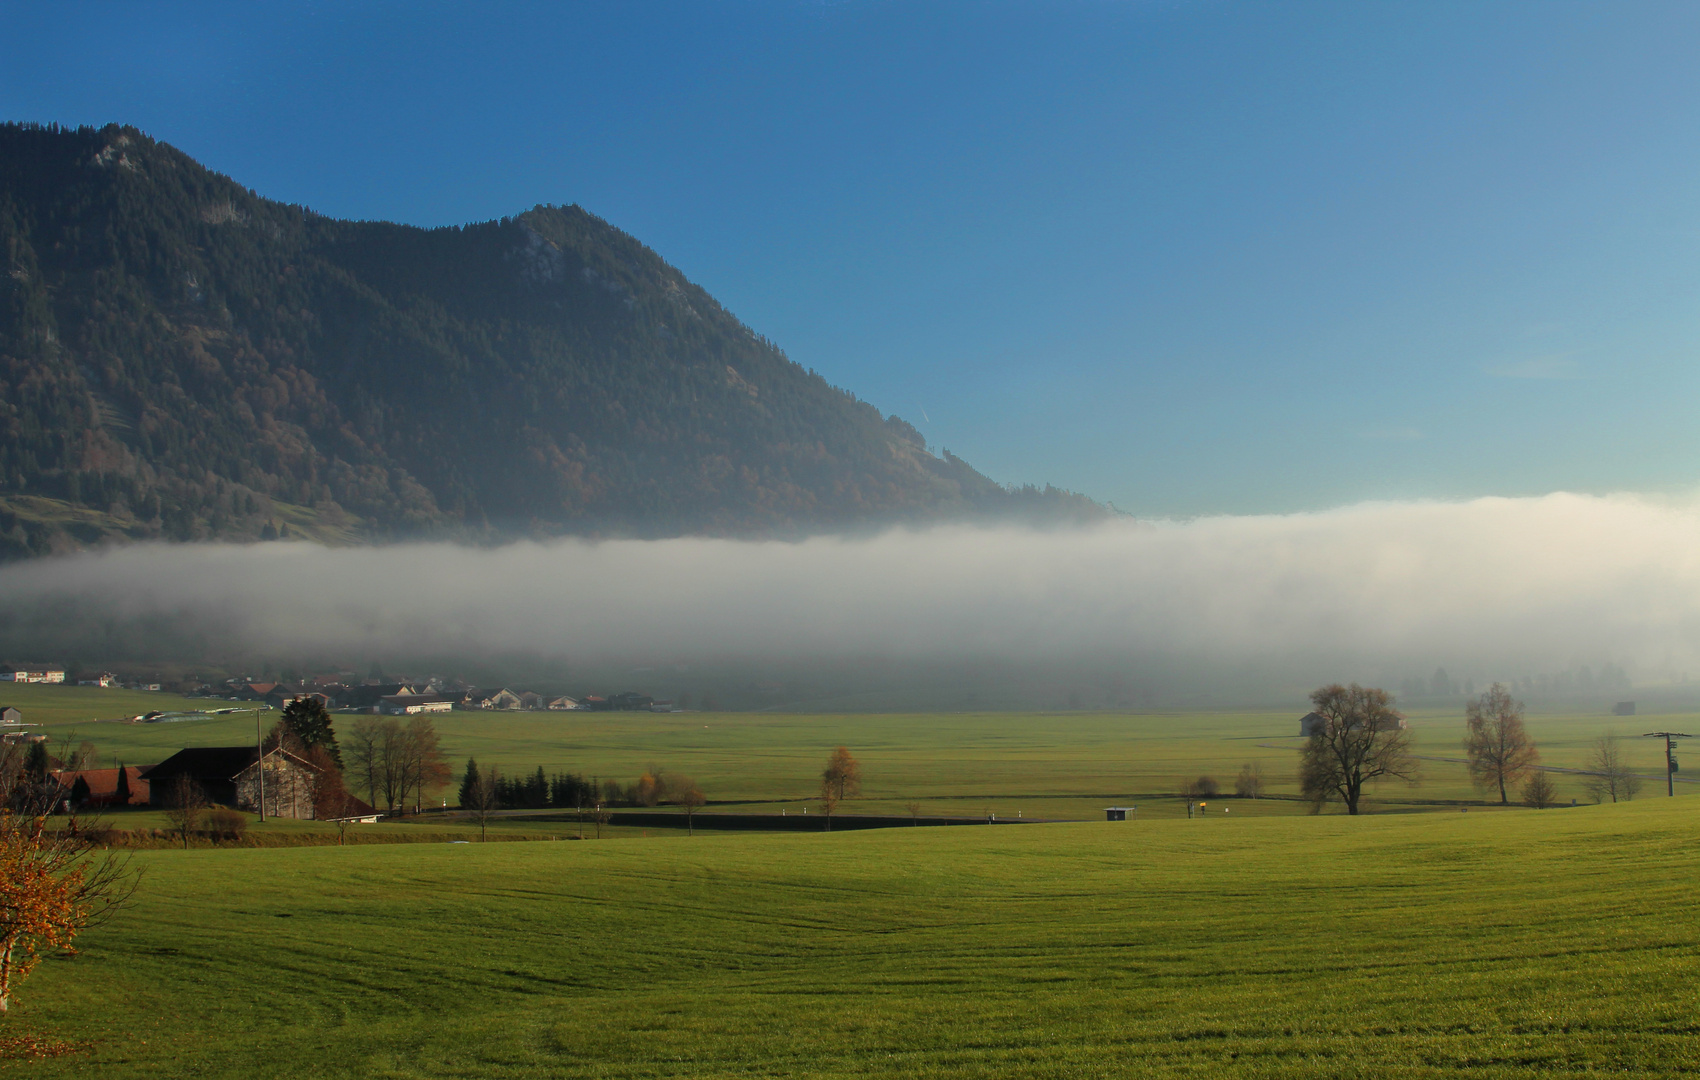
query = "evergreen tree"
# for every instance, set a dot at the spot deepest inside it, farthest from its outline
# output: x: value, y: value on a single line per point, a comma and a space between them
x: 469, y: 783
x: 308, y: 719
x: 36, y: 762
x: 121, y: 796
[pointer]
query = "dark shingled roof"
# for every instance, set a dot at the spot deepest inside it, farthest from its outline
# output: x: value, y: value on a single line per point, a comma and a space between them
x: 206, y: 762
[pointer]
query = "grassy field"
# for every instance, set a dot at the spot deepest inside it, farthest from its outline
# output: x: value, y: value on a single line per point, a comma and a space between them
x: 1526, y: 944
x: 1057, y: 765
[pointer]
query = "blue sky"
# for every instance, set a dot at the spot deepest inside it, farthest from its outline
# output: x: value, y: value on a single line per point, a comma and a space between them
x: 1188, y: 257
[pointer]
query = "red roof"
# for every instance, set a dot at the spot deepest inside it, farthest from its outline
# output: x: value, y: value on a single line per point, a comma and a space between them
x: 103, y: 783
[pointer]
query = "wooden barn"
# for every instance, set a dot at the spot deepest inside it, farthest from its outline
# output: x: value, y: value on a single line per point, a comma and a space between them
x: 230, y: 776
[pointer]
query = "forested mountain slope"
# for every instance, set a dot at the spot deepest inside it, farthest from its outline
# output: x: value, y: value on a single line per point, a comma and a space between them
x: 182, y: 358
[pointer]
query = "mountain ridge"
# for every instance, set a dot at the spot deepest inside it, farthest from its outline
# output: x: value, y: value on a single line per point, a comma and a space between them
x: 185, y: 359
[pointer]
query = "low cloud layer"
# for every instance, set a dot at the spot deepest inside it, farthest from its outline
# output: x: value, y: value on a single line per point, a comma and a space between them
x: 1497, y: 585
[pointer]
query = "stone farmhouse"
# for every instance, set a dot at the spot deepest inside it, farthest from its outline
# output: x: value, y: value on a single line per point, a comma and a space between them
x: 230, y: 776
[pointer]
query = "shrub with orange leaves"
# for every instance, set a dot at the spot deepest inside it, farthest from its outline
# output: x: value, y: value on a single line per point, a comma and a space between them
x: 52, y: 887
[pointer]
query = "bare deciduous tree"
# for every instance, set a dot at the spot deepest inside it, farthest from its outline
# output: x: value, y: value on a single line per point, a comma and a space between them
x: 397, y: 764
x: 75, y: 758
x: 483, y: 798
x: 914, y: 809
x: 829, y: 799
x: 1609, y: 775
x: 184, y: 806
x: 425, y: 768
x: 1202, y: 787
x: 331, y: 800
x: 1359, y: 741
x: 1249, y: 783
x: 843, y: 773
x: 1499, y: 750
x: 366, y: 757
x: 686, y: 794
x: 1538, y: 790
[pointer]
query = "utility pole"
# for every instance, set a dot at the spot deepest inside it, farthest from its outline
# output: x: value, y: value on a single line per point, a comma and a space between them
x: 1670, y: 755
x: 260, y: 748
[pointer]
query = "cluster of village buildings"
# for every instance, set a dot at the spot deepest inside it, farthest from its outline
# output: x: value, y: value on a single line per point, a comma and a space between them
x: 232, y: 775
x: 424, y: 696
x: 397, y: 697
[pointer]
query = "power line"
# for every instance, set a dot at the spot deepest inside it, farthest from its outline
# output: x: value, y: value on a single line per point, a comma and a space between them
x: 1670, y: 755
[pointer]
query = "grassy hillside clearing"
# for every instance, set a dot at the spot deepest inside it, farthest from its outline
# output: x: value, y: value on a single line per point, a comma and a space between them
x: 1498, y: 945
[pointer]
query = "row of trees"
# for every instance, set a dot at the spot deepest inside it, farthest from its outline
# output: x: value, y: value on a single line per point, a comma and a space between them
x: 1249, y: 784
x: 1362, y: 740
x: 398, y: 765
x: 1581, y: 679
x: 1501, y: 755
x: 483, y: 791
x: 533, y: 791
x: 537, y: 790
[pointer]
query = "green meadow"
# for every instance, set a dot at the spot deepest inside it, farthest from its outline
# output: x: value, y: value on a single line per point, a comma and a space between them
x: 1525, y: 944
x: 1045, y: 765
x: 1254, y: 941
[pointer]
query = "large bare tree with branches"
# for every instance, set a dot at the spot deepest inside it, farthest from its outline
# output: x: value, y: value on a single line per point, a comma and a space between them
x: 1499, y: 750
x: 843, y: 774
x: 483, y: 798
x: 1609, y: 776
x: 396, y: 765
x: 1361, y: 740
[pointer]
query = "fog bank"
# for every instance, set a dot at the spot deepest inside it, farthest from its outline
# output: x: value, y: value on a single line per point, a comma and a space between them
x: 1495, y: 585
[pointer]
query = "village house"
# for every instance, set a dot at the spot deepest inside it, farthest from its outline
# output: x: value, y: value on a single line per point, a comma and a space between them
x: 105, y: 678
x: 103, y: 784
x: 411, y: 704
x: 564, y: 703
x: 530, y: 700
x: 282, y: 695
x: 32, y: 673
x: 10, y: 715
x: 230, y: 776
x: 495, y: 699
x: 369, y: 695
